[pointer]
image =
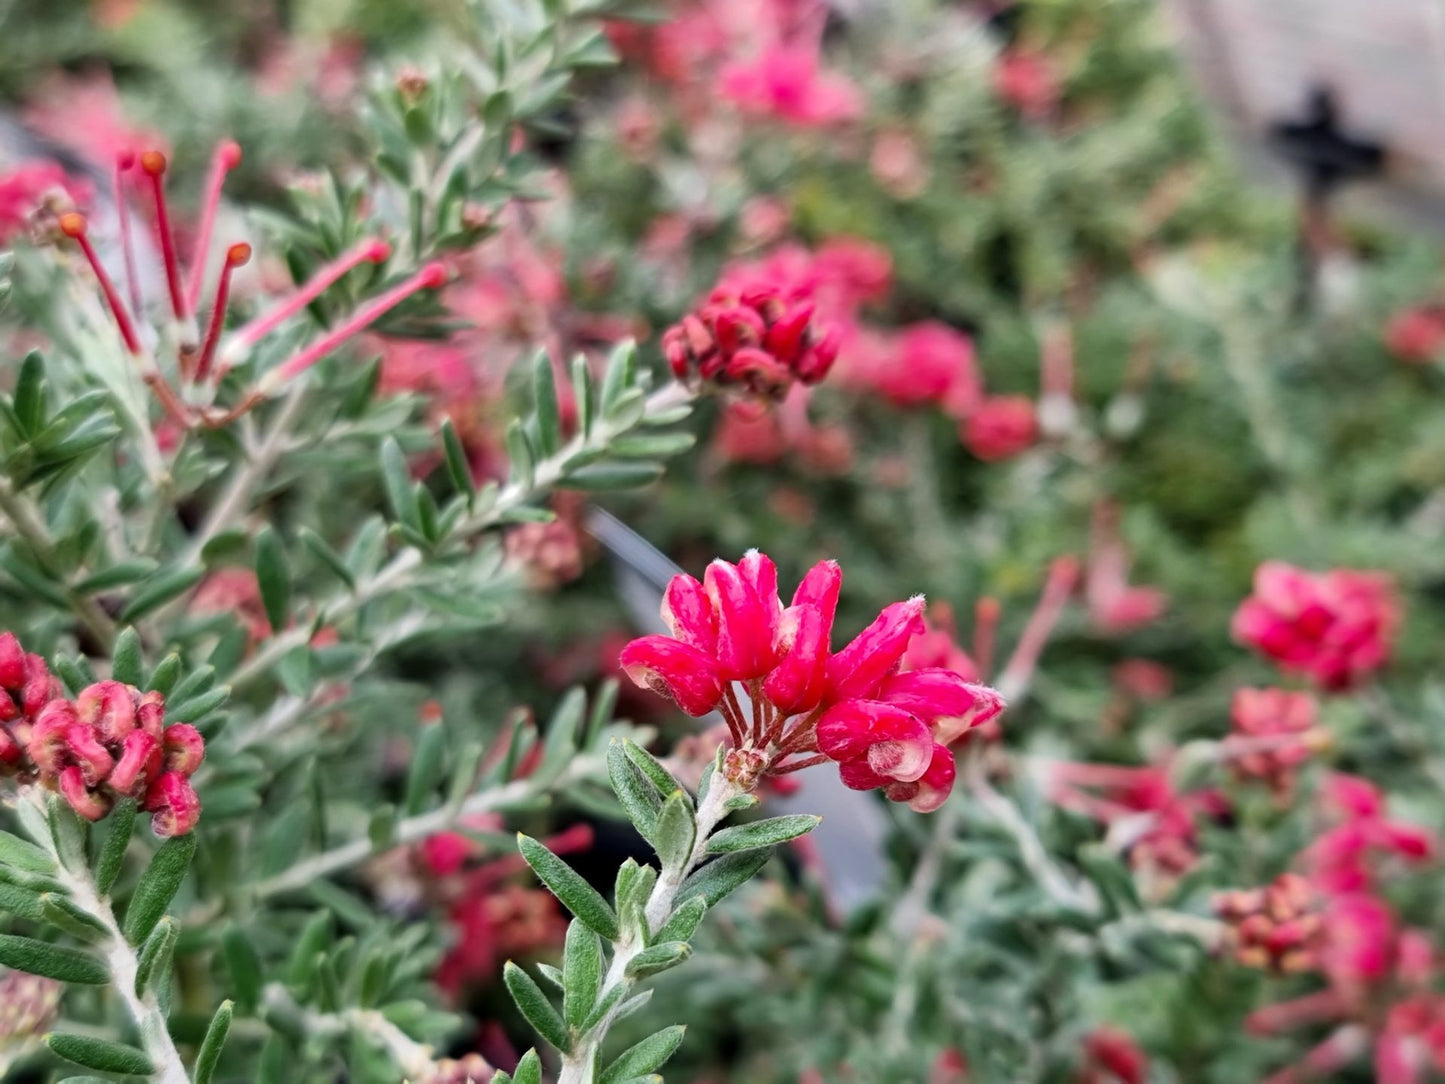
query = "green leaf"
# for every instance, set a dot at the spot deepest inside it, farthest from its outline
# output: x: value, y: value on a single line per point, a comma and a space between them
x: 158, y: 886
x: 29, y: 396
x: 426, y: 767
x: 567, y: 885
x: 657, y: 958
x: 459, y: 467
x: 650, y: 766
x: 101, y: 1054
x: 212, y: 1045
x: 534, y: 1005
x: 603, y: 1007
x: 621, y: 374
x: 22, y: 854
x: 652, y: 445
x: 154, y: 968
x: 646, y: 1057
x: 273, y: 577
x: 244, y: 966
x: 609, y: 476
x: 676, y: 831
x: 112, y: 854
x: 635, y: 793
x: 21, y: 902
x: 327, y: 556
x: 188, y: 710
x: 684, y: 921
x: 119, y: 575
x: 60, y: 912
x: 714, y: 881
x: 51, y: 961
x: 765, y: 833
x: 397, y: 481
x: 158, y: 590
x: 529, y: 1069
x: 581, y: 973
x: 315, y: 935
x: 164, y: 677
x: 523, y: 460
x: 544, y: 402
x: 127, y: 665
x: 585, y: 391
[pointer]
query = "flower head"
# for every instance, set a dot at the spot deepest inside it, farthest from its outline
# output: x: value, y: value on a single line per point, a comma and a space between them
x: 1274, y: 731
x: 1000, y: 427
x: 732, y: 640
x: 1337, y: 627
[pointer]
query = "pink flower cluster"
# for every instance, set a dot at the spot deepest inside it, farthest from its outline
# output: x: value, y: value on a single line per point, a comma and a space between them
x: 28, y: 189
x: 1147, y: 815
x: 110, y: 742
x: 1335, y: 627
x: 885, y: 727
x: 1328, y: 919
x: 758, y: 339
x: 1273, y: 732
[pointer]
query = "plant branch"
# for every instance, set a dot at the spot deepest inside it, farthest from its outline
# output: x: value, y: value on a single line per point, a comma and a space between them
x: 72, y: 871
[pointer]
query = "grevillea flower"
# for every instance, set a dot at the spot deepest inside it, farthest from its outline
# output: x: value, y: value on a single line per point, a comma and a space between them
x: 184, y: 386
x: 1344, y: 857
x: 1278, y: 928
x: 927, y: 363
x: 32, y: 188
x: 1000, y: 427
x: 885, y: 727
x: 758, y: 339
x: 1112, y: 1056
x: 1274, y: 731
x: 785, y: 82
x: 1417, y: 335
x: 1025, y: 79
x: 1336, y: 627
x: 110, y: 742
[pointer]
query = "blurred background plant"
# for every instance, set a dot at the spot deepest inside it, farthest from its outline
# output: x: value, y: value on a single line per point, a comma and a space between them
x: 1085, y: 386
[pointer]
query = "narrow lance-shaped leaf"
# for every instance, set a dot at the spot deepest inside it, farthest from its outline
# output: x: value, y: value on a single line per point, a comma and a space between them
x: 684, y: 921
x: 581, y: 973
x: 714, y: 881
x: 397, y: 482
x: 126, y: 663
x: 522, y: 458
x: 158, y: 886
x: 23, y: 854
x: 101, y: 1054
x: 529, y: 1069
x: 157, y: 591
x: 459, y: 467
x: 533, y: 1004
x: 544, y: 394
x: 567, y: 885
x: 212, y: 1044
x: 426, y: 767
x: 273, y: 577
x: 112, y: 854
x: 154, y: 967
x: 765, y: 833
x: 244, y: 966
x: 647, y: 1056
x: 51, y: 961
x: 657, y: 958
x: 327, y: 556
x: 637, y: 796
x: 676, y: 831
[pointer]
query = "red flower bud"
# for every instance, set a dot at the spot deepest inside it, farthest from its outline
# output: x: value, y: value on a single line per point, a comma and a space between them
x: 151, y: 713
x: 675, y: 670
x: 820, y: 589
x: 12, y: 662
x: 40, y: 687
x: 894, y: 743
x: 858, y: 669
x: 139, y: 764
x: 86, y: 802
x: 174, y: 805
x: 184, y: 748
x: 931, y: 789
x: 109, y: 706
x: 93, y: 759
x: 48, y: 738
